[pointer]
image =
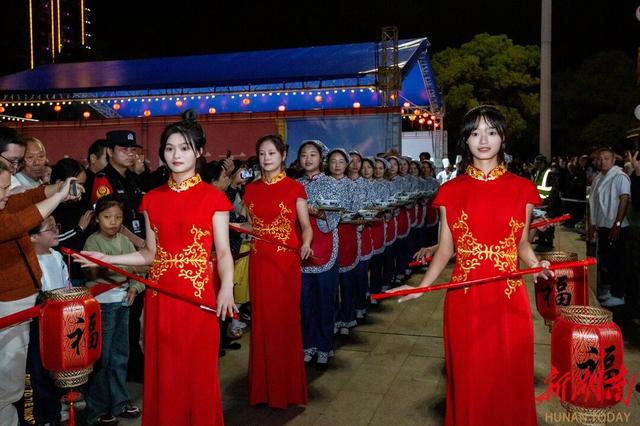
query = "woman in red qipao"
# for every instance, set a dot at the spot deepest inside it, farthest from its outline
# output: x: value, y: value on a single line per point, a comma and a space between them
x: 181, y: 340
x: 274, y: 203
x: 488, y: 331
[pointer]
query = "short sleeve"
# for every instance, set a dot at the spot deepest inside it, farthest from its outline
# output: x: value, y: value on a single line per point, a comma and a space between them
x: 530, y: 193
x: 91, y: 244
x: 443, y: 196
x: 218, y: 201
x: 299, y: 190
x: 623, y: 183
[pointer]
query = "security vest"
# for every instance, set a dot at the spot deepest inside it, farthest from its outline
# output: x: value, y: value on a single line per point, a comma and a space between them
x: 541, y: 179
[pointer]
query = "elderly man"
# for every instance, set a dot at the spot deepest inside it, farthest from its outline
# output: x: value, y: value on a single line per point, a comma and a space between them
x: 35, y: 162
x: 12, y: 149
x: 608, y: 204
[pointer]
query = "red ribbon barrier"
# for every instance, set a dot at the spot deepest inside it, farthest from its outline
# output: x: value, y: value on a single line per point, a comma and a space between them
x: 551, y: 221
x: 35, y: 311
x: 146, y: 282
x: 19, y: 317
x: 516, y: 274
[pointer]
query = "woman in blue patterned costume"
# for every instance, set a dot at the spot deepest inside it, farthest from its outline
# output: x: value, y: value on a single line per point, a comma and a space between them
x: 348, y: 250
x: 364, y: 235
x: 320, y: 273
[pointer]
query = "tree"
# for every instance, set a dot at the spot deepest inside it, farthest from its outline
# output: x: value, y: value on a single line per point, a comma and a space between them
x: 593, y: 105
x: 492, y: 69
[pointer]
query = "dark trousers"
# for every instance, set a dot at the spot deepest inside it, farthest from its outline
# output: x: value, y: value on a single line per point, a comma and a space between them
x: 389, y: 265
x: 347, y: 306
x: 41, y: 401
x: 318, y: 308
x: 362, y: 285
x: 403, y: 254
x: 375, y: 273
x: 612, y: 265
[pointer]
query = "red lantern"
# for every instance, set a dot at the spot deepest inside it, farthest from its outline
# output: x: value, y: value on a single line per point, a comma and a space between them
x: 568, y: 287
x: 86, y: 114
x: 28, y: 116
x: 587, y: 356
x: 178, y: 103
x: 246, y: 101
x: 116, y: 106
x: 57, y: 108
x: 146, y: 113
x: 70, y: 335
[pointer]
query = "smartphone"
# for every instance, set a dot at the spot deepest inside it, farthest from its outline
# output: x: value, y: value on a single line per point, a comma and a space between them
x: 228, y: 153
x: 74, y: 188
x: 246, y: 174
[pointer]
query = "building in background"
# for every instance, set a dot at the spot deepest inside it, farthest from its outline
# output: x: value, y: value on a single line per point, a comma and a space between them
x: 59, y: 31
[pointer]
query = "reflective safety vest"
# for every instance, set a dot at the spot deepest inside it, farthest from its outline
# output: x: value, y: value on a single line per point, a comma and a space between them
x: 541, y: 181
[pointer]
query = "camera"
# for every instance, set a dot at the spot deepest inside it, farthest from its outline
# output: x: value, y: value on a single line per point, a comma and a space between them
x: 246, y: 174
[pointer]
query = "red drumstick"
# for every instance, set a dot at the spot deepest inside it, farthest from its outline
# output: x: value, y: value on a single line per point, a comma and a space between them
x: 544, y: 222
x: 145, y: 281
x: 516, y: 274
x: 424, y: 261
x: 244, y: 231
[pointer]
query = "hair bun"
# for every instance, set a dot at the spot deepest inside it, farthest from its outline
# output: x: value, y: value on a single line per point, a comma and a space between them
x: 189, y: 117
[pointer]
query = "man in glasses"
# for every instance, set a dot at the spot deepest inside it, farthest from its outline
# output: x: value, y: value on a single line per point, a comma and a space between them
x: 34, y: 164
x: 12, y: 150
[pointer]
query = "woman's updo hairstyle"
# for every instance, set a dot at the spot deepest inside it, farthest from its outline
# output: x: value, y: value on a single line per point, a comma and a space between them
x: 190, y: 129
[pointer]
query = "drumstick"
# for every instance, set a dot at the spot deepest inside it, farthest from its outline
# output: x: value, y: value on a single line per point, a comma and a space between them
x: 244, y: 231
x: 470, y: 283
x: 553, y: 220
x: 145, y: 281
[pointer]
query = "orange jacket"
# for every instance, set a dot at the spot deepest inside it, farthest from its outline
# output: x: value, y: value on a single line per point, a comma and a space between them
x: 16, y: 219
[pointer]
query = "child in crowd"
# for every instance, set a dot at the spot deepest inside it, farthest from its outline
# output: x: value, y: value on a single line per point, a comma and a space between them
x: 42, y: 395
x: 107, y: 395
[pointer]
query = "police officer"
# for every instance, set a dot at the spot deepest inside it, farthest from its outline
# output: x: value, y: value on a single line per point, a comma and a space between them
x: 117, y: 179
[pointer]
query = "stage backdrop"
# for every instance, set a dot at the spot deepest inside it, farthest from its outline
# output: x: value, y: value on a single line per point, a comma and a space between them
x: 366, y: 131
x: 369, y: 134
x: 73, y: 139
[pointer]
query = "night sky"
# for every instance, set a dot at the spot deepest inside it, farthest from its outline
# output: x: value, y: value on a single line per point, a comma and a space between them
x: 134, y: 29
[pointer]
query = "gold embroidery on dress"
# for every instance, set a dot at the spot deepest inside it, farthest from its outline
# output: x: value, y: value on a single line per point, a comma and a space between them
x: 494, y: 174
x: 470, y: 252
x: 195, y: 256
x: 185, y: 184
x: 280, y: 228
x: 276, y: 179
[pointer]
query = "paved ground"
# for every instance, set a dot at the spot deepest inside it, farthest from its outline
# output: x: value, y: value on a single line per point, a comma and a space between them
x: 390, y: 371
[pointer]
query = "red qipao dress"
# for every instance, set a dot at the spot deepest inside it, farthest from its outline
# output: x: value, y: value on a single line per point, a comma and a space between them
x: 488, y: 331
x: 276, y: 359
x: 181, y: 340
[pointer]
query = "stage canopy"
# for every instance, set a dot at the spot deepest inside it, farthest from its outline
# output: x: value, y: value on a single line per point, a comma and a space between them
x: 309, y: 78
